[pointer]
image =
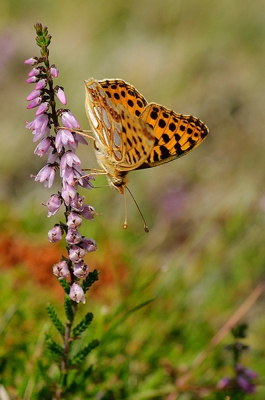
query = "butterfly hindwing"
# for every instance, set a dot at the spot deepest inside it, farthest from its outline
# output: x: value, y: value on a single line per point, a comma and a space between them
x: 125, y: 140
x: 175, y: 134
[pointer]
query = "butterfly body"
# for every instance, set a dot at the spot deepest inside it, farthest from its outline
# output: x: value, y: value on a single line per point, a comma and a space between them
x: 131, y: 134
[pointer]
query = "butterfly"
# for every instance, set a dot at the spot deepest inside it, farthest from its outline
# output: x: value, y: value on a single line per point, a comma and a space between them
x: 132, y: 134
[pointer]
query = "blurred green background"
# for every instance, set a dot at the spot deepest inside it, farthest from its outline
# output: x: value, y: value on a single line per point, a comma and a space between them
x: 205, y: 251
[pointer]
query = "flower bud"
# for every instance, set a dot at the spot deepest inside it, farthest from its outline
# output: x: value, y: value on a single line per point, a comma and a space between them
x: 31, y: 61
x: 54, y: 71
x: 42, y: 108
x: 61, y: 96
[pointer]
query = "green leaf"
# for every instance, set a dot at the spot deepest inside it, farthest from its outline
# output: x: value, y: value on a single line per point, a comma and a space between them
x: 83, y: 325
x: 79, y: 357
x: 55, y: 349
x: 90, y: 279
x: 55, y: 319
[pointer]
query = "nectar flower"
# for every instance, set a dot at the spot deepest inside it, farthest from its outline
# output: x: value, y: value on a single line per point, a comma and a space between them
x: 53, y: 204
x: 88, y: 244
x: 61, y: 270
x: 77, y: 293
x: 76, y: 253
x: 64, y: 138
x: 39, y: 123
x: 46, y: 175
x: 88, y: 212
x: 74, y: 220
x: 55, y: 234
x: 73, y: 236
x: 43, y: 147
x: 69, y: 120
x: 81, y: 270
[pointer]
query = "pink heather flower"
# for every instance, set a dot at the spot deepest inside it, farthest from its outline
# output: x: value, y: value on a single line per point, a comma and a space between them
x: 68, y: 193
x: 61, y: 269
x: 223, y: 383
x: 245, y: 385
x: 38, y: 134
x: 53, y: 158
x: 53, y: 204
x: 61, y: 96
x: 41, y: 84
x: 89, y: 245
x: 77, y: 293
x: 33, y: 95
x: 78, y: 203
x: 55, y: 234
x: 39, y: 123
x: 80, y: 139
x: 76, y: 253
x: 42, y: 108
x: 34, y: 72
x: 64, y: 138
x: 43, y: 147
x: 73, y: 236
x: 34, y: 103
x: 46, y: 175
x: 69, y: 159
x: 31, y: 61
x: 81, y: 270
x: 82, y: 179
x: 73, y: 220
x: 88, y: 212
x: 69, y: 120
x: 32, y: 79
x: 54, y: 71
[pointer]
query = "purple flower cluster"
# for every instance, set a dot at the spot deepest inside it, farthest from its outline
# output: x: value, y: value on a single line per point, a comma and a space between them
x: 60, y: 149
x: 243, y: 380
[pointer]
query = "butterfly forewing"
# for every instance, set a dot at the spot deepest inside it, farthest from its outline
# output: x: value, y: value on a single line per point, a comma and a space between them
x: 124, y: 140
x: 176, y: 134
x: 121, y: 92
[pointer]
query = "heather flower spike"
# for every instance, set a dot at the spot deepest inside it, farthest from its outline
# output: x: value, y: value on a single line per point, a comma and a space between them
x: 60, y: 145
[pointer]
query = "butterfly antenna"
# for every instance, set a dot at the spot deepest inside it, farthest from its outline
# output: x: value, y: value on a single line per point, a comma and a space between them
x: 125, y: 225
x: 135, y: 202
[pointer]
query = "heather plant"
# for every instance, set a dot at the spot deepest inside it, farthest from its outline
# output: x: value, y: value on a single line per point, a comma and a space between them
x: 59, y: 145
